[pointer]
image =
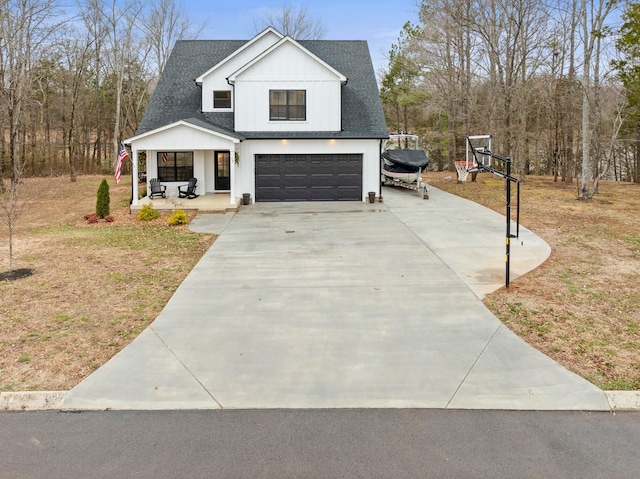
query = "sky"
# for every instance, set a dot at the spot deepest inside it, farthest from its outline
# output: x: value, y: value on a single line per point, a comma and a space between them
x: 376, y: 21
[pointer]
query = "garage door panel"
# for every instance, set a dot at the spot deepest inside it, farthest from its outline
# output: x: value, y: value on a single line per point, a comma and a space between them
x: 319, y: 177
x: 321, y: 181
x: 346, y: 180
x: 351, y: 167
x: 295, y: 167
x: 271, y: 195
x: 349, y: 194
x: 271, y: 182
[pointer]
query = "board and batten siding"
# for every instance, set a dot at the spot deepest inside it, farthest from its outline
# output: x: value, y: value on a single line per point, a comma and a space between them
x: 217, y: 79
x: 183, y: 138
x: 288, y: 68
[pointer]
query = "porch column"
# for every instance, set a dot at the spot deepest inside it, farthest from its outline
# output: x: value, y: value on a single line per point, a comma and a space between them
x: 134, y: 177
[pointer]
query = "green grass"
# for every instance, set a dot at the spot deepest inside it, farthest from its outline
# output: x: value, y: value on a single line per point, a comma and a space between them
x: 633, y: 241
x: 621, y: 385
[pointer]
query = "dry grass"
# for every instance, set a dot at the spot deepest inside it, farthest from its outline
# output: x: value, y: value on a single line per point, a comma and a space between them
x: 93, y: 288
x: 582, y: 306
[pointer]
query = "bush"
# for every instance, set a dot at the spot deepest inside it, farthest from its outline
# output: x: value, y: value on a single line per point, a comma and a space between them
x: 109, y: 219
x: 147, y: 213
x: 90, y: 216
x: 178, y: 217
x: 103, y: 200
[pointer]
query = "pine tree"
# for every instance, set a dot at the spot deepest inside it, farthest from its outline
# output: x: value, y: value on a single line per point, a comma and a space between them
x: 103, y: 200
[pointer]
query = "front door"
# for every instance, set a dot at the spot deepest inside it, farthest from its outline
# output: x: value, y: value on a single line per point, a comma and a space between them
x: 223, y: 170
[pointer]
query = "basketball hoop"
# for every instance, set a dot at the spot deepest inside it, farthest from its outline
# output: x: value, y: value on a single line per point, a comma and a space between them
x: 463, y: 168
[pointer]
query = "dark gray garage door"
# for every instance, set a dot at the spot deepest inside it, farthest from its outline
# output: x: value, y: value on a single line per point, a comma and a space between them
x: 308, y: 177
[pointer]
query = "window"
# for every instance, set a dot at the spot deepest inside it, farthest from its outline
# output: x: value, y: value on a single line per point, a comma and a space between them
x: 222, y: 99
x: 175, y: 166
x: 287, y: 105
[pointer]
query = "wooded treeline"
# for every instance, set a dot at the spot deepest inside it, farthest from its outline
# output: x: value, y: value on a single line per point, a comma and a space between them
x: 74, y: 81
x: 556, y: 83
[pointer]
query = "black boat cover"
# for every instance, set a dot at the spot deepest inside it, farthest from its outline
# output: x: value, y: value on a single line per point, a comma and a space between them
x: 414, y: 158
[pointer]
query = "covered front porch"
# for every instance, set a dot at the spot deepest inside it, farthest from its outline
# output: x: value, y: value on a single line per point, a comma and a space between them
x: 209, y: 203
x: 182, y: 151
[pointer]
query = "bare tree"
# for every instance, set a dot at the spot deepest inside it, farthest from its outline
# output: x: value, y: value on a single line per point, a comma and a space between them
x: 97, y: 32
x: 77, y: 56
x: 25, y: 28
x: 293, y: 21
x: 12, y: 204
x: 566, y: 109
x: 121, y: 20
x: 513, y: 34
x: 165, y: 23
x: 446, y: 48
x: 593, y: 14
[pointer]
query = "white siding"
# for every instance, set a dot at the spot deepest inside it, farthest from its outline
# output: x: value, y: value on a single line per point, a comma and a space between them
x: 217, y: 80
x: 185, y: 138
x: 210, y: 171
x: 288, y: 68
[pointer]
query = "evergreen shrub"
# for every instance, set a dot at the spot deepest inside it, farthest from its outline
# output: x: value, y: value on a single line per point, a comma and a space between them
x: 103, y: 200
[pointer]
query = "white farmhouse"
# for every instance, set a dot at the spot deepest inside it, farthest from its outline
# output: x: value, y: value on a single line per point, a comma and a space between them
x: 279, y: 119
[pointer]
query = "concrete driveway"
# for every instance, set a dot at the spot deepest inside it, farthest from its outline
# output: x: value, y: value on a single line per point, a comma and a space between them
x: 342, y: 305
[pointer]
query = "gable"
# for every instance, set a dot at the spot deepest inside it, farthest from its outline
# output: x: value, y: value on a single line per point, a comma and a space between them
x: 183, y: 135
x: 287, y: 60
x: 241, y: 56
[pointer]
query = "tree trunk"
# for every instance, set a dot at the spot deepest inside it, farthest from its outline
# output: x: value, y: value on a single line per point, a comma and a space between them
x: 584, y: 193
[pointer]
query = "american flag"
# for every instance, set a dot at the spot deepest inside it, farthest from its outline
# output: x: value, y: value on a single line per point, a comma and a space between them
x: 122, y: 155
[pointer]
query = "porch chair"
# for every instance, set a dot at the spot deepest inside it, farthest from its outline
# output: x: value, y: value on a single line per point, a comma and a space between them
x: 188, y: 191
x: 157, y: 189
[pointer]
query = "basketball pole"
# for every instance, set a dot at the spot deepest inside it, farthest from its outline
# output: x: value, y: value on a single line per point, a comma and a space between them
x: 508, y: 239
x: 508, y: 178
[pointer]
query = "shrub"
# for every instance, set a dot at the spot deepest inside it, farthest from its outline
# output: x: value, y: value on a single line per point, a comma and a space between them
x: 92, y: 220
x: 178, y: 217
x: 147, y: 213
x: 103, y: 200
x: 90, y: 216
x: 109, y: 219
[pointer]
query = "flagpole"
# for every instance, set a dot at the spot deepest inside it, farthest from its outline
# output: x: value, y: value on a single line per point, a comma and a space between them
x: 131, y: 200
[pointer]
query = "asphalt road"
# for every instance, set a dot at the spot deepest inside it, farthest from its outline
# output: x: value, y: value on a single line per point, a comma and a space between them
x: 355, y: 443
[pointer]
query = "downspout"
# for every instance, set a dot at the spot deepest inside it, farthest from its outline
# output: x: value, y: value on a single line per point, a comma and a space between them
x: 341, y: 115
x: 380, y: 172
x: 232, y: 179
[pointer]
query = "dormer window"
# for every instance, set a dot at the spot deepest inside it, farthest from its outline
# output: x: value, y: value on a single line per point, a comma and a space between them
x: 221, y: 99
x: 287, y: 105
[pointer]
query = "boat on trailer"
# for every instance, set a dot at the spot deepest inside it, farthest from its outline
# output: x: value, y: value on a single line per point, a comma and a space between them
x: 404, y: 166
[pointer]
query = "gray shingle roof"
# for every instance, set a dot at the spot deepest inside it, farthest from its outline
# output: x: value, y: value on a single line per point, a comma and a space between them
x: 178, y: 97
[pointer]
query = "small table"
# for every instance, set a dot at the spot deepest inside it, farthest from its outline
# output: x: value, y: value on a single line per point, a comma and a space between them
x: 177, y: 189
